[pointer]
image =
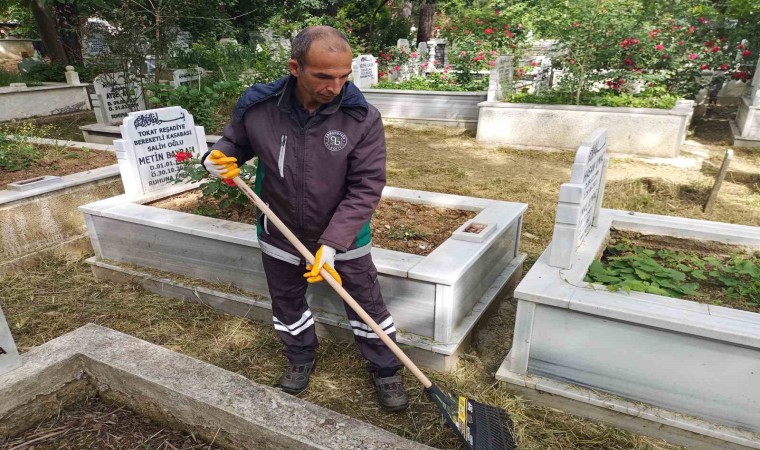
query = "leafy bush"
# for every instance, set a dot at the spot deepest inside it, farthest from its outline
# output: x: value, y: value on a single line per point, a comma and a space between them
x: 231, y: 62
x: 44, y: 72
x: 6, y: 78
x: 16, y: 155
x: 661, y: 101
x: 436, y: 82
x: 204, y: 103
x: 676, y: 274
x: 224, y: 191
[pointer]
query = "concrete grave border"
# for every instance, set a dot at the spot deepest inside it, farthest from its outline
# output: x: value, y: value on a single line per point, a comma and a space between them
x: 610, y: 355
x: 50, y: 99
x: 45, y: 217
x: 436, y: 300
x: 632, y: 131
x: 172, y: 388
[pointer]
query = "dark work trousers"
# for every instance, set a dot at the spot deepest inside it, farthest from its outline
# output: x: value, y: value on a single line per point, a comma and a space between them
x: 294, y: 323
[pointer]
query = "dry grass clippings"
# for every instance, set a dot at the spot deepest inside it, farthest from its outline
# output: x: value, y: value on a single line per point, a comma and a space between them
x: 97, y: 425
x: 58, y: 296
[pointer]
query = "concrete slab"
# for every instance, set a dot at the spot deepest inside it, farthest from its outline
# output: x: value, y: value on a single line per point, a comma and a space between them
x: 179, y: 390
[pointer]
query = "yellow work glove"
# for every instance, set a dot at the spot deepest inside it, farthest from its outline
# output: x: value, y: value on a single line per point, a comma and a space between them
x: 325, y: 257
x: 221, y: 165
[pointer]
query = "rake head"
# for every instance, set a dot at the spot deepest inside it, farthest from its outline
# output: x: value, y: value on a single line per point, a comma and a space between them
x: 479, y: 426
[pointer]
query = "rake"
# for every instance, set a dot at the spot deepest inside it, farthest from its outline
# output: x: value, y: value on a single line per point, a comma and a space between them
x: 478, y: 426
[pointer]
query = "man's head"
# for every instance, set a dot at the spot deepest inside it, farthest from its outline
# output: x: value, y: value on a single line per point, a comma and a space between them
x: 321, y: 60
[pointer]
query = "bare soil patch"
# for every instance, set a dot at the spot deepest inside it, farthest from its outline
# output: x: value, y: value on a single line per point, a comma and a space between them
x: 61, y: 126
x: 98, y: 425
x: 396, y: 225
x: 60, y: 161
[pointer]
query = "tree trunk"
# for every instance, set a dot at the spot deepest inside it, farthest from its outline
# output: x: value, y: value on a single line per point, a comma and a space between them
x: 49, y: 32
x: 425, y: 24
x: 67, y: 18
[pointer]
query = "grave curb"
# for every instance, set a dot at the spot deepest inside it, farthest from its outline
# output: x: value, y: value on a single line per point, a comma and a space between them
x: 184, y: 391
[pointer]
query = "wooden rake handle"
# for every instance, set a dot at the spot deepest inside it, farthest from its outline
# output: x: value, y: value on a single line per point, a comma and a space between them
x: 272, y: 217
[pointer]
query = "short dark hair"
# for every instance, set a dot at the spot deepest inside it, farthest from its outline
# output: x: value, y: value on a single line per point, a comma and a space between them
x: 302, y: 42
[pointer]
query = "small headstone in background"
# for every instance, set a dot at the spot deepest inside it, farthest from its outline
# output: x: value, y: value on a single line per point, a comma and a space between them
x: 422, y: 49
x: 9, y: 357
x: 150, y: 141
x: 183, y: 40
x: 580, y: 200
x: 95, y: 45
x: 186, y: 76
x: 117, y: 97
x: 365, y: 72
x: 403, y: 44
x: 500, y: 79
x: 72, y: 77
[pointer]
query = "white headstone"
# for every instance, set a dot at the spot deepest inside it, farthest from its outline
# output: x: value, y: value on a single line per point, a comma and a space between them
x: 149, y: 144
x: 186, y: 76
x: 72, y: 77
x: 500, y: 78
x: 754, y: 95
x: 580, y: 200
x: 403, y: 44
x: 9, y: 358
x: 365, y: 69
x: 117, y: 97
x: 422, y: 49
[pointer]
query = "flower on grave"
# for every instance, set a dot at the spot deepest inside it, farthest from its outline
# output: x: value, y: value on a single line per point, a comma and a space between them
x: 488, y: 31
x: 659, y: 47
x: 183, y: 156
x: 746, y: 53
x: 680, y: 42
x: 397, y: 68
x: 653, y: 33
x: 692, y: 56
x: 741, y: 76
x: 715, y: 49
x: 740, y: 46
x: 708, y: 44
x: 533, y: 63
x: 723, y: 39
x: 576, y: 24
x: 496, y: 12
x: 463, y: 53
x: 724, y: 67
x: 415, y: 55
x: 509, y: 35
x: 491, y: 64
x: 228, y: 182
x: 702, y: 20
x: 692, y: 29
x: 704, y: 66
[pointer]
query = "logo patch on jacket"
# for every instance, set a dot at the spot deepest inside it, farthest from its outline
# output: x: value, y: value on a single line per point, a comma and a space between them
x: 335, y: 140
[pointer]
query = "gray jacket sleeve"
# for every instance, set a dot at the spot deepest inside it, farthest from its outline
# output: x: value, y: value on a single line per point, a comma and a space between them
x: 365, y: 181
x: 234, y: 142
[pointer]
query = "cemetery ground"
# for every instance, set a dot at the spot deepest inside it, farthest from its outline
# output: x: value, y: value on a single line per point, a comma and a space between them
x: 58, y: 295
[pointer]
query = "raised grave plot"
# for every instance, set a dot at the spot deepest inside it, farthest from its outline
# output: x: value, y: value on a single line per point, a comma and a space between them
x: 436, y: 299
x: 691, y: 368
x: 396, y: 225
x: 24, y: 163
x: 42, y: 182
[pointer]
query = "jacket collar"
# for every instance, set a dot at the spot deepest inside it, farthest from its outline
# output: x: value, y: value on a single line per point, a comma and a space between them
x: 352, y: 102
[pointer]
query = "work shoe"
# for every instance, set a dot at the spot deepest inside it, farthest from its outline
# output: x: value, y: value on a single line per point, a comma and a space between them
x: 390, y: 392
x: 296, y: 377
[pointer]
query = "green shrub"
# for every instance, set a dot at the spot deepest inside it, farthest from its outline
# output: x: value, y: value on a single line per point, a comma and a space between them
x: 436, y: 82
x: 225, y: 191
x: 6, y: 78
x: 16, y: 155
x: 661, y: 101
x: 204, y: 103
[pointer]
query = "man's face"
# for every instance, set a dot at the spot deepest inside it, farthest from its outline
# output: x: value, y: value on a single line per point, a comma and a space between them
x: 324, y: 75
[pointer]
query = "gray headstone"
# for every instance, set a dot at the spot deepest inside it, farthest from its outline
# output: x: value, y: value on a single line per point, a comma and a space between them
x: 580, y: 200
x: 184, y: 40
x: 500, y: 78
x: 95, y: 45
x: 186, y: 76
x: 150, y: 140
x: 117, y: 97
x: 9, y: 357
x: 365, y: 71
